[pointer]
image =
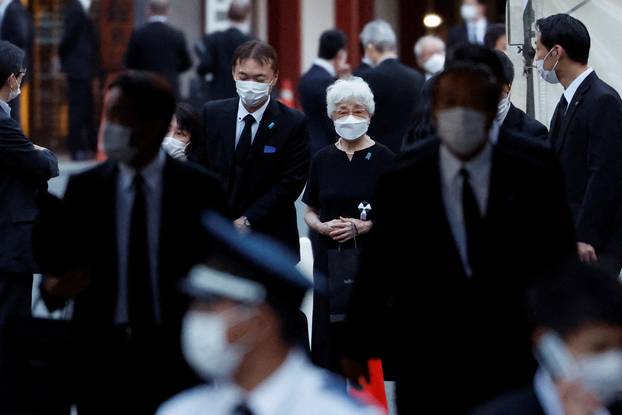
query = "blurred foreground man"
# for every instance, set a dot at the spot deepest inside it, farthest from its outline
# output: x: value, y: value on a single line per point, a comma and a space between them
x: 132, y: 232
x: 482, y: 221
x: 240, y: 334
x: 586, y: 135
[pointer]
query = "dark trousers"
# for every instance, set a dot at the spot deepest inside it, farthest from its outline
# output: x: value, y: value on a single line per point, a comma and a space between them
x: 82, y: 140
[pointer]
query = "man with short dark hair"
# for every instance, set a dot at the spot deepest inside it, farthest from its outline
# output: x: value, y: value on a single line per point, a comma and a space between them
x: 216, y: 49
x: 159, y: 47
x: 586, y: 135
x: 330, y: 63
x: 25, y: 168
x: 133, y: 230
x: 238, y: 333
x: 496, y: 37
x: 446, y: 307
x: 258, y: 147
x: 582, y: 308
x: 396, y: 87
x: 474, y: 26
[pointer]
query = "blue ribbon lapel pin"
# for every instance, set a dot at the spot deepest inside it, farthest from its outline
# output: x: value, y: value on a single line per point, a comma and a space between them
x: 269, y: 149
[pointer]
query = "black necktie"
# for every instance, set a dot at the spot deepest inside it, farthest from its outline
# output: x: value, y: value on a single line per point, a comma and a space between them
x: 242, y: 150
x: 140, y: 295
x: 242, y: 409
x: 560, y: 113
x: 473, y: 224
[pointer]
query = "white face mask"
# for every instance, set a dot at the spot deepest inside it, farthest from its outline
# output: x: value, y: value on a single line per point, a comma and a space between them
x: 351, y: 128
x: 86, y: 4
x: 15, y: 92
x: 468, y: 12
x: 206, y: 348
x: 116, y: 139
x: 602, y: 374
x: 548, y: 76
x: 175, y: 148
x: 504, y: 107
x: 252, y: 93
x: 435, y: 63
x: 462, y: 130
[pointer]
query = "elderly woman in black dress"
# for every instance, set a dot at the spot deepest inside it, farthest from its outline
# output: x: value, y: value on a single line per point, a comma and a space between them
x: 339, y: 199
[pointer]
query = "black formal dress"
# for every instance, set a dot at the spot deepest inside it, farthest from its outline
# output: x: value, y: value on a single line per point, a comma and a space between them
x: 159, y: 47
x: 397, y: 92
x: 336, y: 187
x: 274, y: 174
x: 216, y: 56
x: 138, y: 365
x: 413, y: 303
x: 79, y: 54
x: 312, y: 89
x: 587, y: 138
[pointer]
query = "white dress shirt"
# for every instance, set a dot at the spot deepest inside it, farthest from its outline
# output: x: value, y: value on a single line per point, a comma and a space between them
x: 258, y: 115
x: 548, y: 397
x: 477, y: 27
x: 5, y: 107
x: 574, y: 86
x: 157, y: 19
x: 452, y: 181
x: 296, y: 388
x: 326, y: 65
x: 152, y: 175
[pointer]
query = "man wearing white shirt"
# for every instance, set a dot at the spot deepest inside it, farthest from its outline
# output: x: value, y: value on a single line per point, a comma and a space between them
x: 473, y: 30
x: 586, y: 135
x: 469, y: 211
x: 133, y: 229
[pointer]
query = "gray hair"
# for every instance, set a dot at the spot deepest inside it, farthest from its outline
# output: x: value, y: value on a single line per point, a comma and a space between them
x: 353, y: 89
x: 429, y: 39
x: 380, y: 34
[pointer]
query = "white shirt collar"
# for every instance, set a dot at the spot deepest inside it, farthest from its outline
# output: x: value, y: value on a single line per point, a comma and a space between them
x: 152, y: 173
x: 258, y: 115
x: 574, y: 86
x: 451, y: 165
x: 158, y: 18
x: 323, y: 63
x: 5, y: 107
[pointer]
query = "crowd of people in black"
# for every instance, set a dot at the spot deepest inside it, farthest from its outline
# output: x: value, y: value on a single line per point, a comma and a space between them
x: 455, y: 238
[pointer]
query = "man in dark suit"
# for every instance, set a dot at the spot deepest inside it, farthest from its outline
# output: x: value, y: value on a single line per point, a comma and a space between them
x: 396, y: 87
x: 583, y: 306
x: 511, y: 118
x: 79, y: 54
x: 473, y: 29
x: 16, y: 27
x: 24, y: 171
x: 586, y: 135
x: 158, y: 47
x: 258, y: 148
x: 313, y: 84
x: 133, y: 231
x: 216, y: 52
x: 446, y: 307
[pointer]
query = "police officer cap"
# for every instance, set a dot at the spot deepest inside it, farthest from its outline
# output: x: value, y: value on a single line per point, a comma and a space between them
x: 250, y: 269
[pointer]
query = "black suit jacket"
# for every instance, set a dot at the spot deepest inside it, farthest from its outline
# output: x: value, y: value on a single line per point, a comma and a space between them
x: 158, y: 47
x: 361, y: 69
x: 457, y: 35
x: 79, y: 46
x: 312, y: 90
x: 412, y: 303
x: 397, y: 91
x: 24, y: 172
x: 17, y: 26
x: 589, y: 146
x: 523, y: 402
x: 216, y: 56
x: 525, y: 125
x: 276, y: 171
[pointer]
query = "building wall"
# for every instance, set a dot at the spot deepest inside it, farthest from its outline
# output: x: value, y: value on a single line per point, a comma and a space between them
x: 317, y: 16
